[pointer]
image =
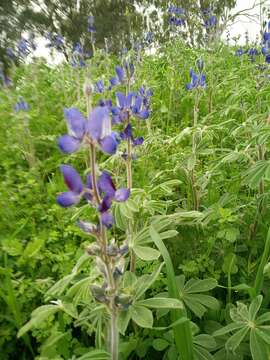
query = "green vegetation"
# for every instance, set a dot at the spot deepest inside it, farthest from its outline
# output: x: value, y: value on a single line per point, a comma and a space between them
x: 199, y: 203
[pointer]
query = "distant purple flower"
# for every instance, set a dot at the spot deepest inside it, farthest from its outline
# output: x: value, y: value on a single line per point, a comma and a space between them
x: 267, y: 59
x: 210, y: 22
x: 146, y: 95
x: 122, y: 111
x: 138, y: 109
x: 196, y: 81
x: 239, y: 52
x: 21, y: 105
x: 123, y: 74
x: 23, y: 47
x: 99, y: 87
x: 91, y: 24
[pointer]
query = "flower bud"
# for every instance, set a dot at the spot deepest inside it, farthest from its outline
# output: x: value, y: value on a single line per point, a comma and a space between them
x: 87, y: 89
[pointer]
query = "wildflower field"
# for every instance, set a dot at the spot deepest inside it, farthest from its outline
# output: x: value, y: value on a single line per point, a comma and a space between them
x: 134, y: 202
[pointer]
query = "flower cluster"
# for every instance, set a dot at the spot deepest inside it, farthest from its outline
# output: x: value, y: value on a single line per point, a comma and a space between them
x: 197, y: 80
x: 210, y: 19
x: 21, y: 105
x: 56, y: 41
x: 177, y: 16
x: 96, y: 130
x: 266, y: 43
x: 78, y: 190
x: 25, y: 46
x: 79, y: 56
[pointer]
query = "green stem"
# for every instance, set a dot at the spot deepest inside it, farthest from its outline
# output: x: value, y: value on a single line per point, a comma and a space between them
x: 260, y: 276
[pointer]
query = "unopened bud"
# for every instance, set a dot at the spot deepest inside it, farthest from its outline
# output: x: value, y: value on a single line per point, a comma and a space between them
x: 87, y: 89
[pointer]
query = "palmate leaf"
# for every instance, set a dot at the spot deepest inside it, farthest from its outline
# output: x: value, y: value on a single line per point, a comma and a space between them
x: 256, y: 173
x: 245, y: 323
x: 191, y: 294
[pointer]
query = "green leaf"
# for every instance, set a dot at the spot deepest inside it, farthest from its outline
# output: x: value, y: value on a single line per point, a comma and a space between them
x: 259, y: 349
x: 146, y: 253
x: 145, y: 281
x: 142, y: 316
x: 95, y: 355
x: 33, y: 247
x: 197, y: 286
x: 236, y: 339
x: 228, y: 328
x: 38, y: 316
x: 164, y: 303
x: 206, y: 341
x: 255, y: 307
x: 182, y: 332
x: 263, y: 318
x: 160, y: 344
x: 264, y: 334
x: 123, y: 320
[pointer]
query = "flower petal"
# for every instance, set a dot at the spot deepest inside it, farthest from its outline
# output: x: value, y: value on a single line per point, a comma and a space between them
x: 120, y: 73
x: 107, y: 219
x: 72, y: 178
x: 122, y: 194
x: 138, y: 141
x: 96, y: 121
x: 106, y: 184
x: 105, y: 204
x: 121, y: 99
x: 68, y: 144
x: 109, y: 144
x: 76, y: 122
x: 68, y: 198
x: 144, y: 114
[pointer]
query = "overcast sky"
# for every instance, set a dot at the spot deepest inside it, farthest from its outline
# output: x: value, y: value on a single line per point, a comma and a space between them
x: 239, y: 28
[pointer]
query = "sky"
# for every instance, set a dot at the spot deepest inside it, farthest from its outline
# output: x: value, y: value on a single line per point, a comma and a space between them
x: 242, y: 25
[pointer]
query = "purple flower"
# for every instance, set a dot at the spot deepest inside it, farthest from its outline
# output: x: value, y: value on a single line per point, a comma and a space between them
x: 122, y: 111
x: 74, y: 184
x: 23, y: 47
x: 21, y: 105
x: 196, y: 81
x: 239, y: 52
x: 99, y: 87
x: 109, y: 193
x: 138, y: 109
x: 146, y: 95
x: 210, y: 22
x: 77, y: 131
x: 128, y: 134
x: 99, y: 129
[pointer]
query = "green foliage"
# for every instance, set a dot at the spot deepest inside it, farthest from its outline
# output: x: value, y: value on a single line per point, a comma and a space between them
x: 224, y: 242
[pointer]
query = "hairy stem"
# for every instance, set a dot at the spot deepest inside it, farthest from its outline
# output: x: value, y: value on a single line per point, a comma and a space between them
x: 196, y: 199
